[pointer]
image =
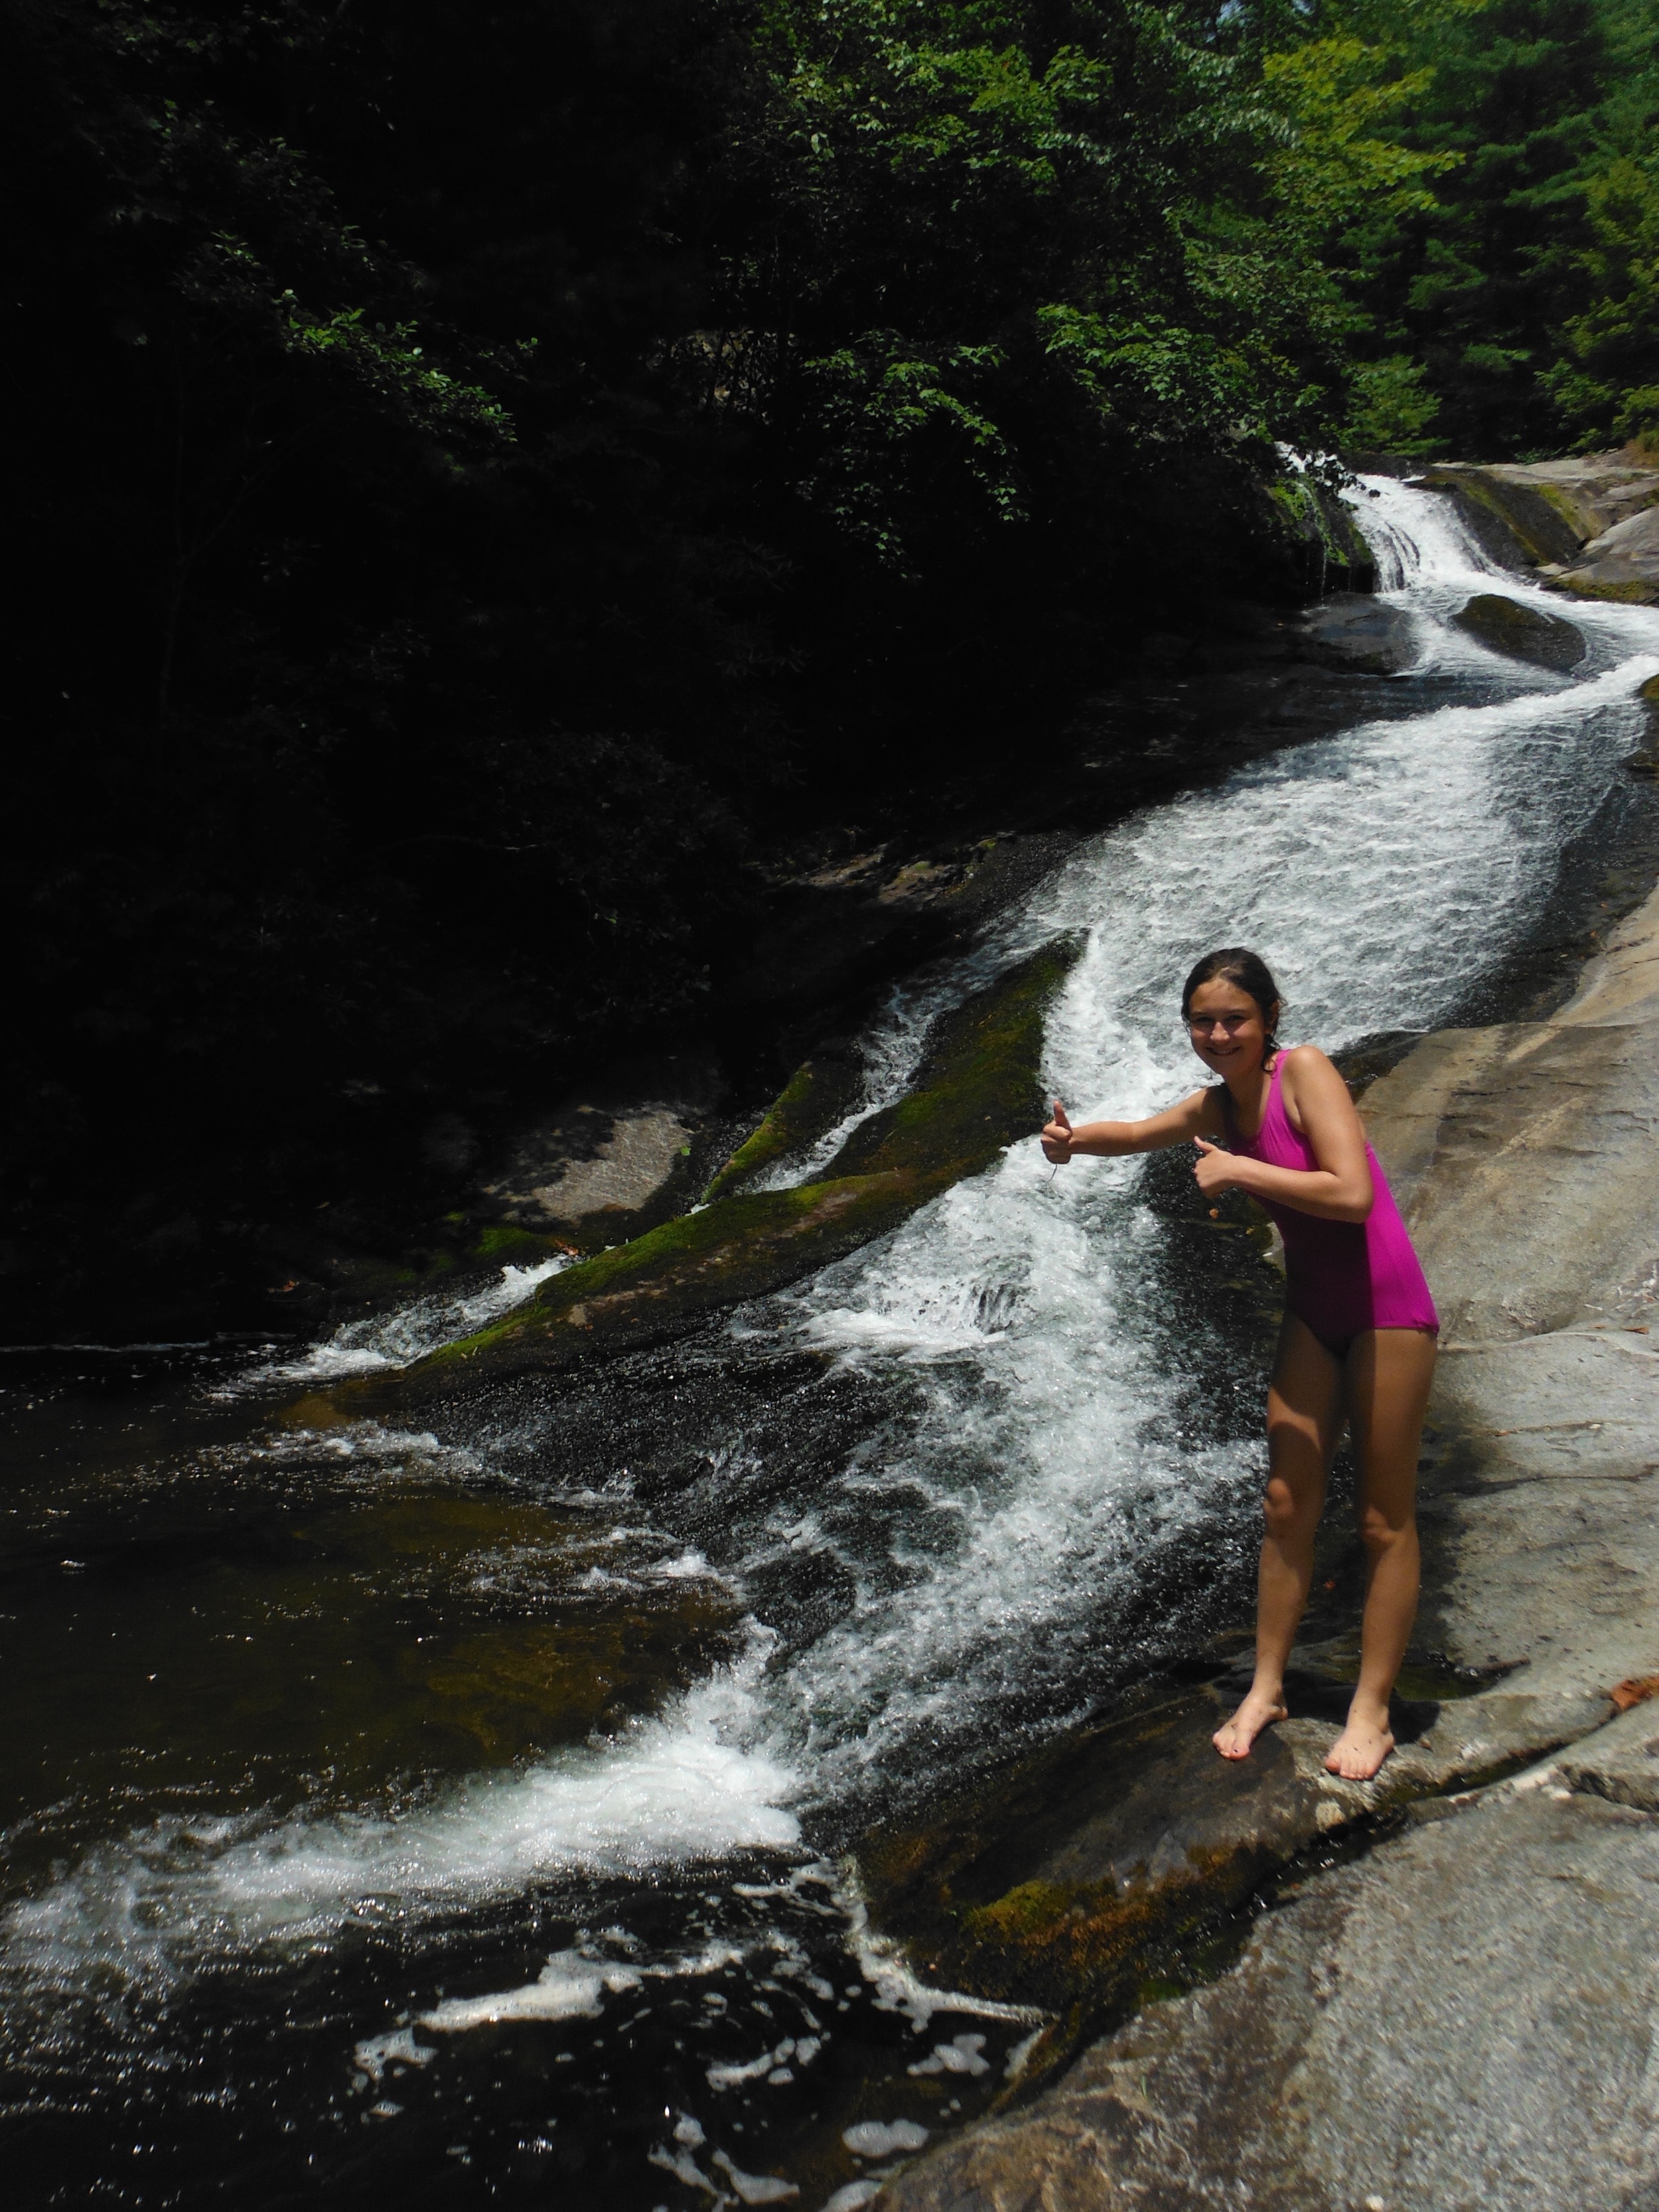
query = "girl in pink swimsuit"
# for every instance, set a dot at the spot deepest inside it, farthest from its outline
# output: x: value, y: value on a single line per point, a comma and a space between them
x: 1341, y: 1277
x: 1357, y: 1344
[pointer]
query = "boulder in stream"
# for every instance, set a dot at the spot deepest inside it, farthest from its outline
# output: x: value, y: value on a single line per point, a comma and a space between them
x: 1352, y: 630
x: 1521, y: 632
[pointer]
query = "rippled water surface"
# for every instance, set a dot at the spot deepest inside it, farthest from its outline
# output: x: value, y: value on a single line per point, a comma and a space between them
x: 463, y: 1813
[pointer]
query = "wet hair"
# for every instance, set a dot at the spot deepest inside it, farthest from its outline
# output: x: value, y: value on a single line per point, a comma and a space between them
x: 1236, y: 964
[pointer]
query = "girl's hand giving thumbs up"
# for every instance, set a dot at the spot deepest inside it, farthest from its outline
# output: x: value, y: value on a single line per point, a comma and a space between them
x: 1057, y: 1138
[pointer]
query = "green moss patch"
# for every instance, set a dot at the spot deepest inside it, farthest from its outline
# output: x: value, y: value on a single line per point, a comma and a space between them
x: 504, y: 1245
x: 977, y: 1092
x: 1540, y: 529
x: 1585, y: 586
x: 815, y: 1096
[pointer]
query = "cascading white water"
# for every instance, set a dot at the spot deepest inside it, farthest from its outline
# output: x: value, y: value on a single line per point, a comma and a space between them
x: 398, y: 1339
x: 1052, y: 1455
x: 1416, y: 540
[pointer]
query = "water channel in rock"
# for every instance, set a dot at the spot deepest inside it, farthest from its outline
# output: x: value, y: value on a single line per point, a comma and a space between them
x: 463, y: 1813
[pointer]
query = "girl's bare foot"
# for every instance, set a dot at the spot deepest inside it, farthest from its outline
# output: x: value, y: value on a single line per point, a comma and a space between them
x: 1360, y: 1749
x: 1233, y: 1738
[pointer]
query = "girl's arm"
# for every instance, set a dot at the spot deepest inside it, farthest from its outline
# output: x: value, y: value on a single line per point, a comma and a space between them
x: 1177, y: 1125
x: 1316, y: 1097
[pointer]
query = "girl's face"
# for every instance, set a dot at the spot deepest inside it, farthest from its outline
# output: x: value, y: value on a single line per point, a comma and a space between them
x: 1226, y: 1025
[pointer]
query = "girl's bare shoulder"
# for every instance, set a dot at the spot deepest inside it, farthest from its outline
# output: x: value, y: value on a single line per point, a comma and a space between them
x: 1305, y: 1062
x: 1310, y: 1077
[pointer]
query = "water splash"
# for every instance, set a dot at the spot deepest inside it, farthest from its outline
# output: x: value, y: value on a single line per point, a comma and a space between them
x: 399, y: 1337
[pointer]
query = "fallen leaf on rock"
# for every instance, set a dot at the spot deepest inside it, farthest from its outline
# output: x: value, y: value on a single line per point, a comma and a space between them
x: 1635, y: 1692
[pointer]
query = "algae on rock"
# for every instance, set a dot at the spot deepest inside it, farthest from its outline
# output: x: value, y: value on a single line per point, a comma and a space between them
x: 977, y: 1092
x: 817, y: 1094
x: 1585, y: 524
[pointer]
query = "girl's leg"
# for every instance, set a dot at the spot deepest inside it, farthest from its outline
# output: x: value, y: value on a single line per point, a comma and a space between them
x: 1387, y: 1388
x: 1305, y: 1419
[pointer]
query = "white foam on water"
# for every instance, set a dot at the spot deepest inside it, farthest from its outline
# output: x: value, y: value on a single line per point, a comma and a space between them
x: 574, y: 1985
x: 399, y: 2048
x: 151, y: 1908
x: 877, y: 2138
x: 569, y: 1985
x: 398, y: 1339
x: 1418, y: 537
x: 756, y: 2188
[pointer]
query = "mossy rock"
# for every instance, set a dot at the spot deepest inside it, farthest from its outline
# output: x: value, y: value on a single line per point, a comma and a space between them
x: 504, y: 1245
x: 976, y: 1094
x: 1521, y: 632
x: 819, y: 1093
x: 1330, y: 546
x: 1514, y: 523
x: 1626, y: 592
x: 1077, y: 1876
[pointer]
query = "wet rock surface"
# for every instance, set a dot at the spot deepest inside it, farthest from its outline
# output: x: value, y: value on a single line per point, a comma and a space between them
x: 1120, y: 1855
x: 1464, y: 2019
x: 974, y: 1093
x: 1352, y: 630
x: 1464, y: 2015
x: 410, y: 1634
x: 1522, y: 633
x: 1538, y: 514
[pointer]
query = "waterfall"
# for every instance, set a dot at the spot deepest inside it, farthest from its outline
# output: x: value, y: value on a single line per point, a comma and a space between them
x: 1059, y: 1427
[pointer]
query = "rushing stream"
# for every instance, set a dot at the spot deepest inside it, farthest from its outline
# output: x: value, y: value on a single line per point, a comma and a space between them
x: 301, y: 1902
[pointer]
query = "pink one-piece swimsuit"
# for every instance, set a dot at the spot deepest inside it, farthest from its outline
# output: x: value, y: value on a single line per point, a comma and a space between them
x: 1341, y: 1277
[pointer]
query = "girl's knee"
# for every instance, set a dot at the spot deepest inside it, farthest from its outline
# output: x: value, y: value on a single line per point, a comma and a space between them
x: 1286, y: 1512
x: 1381, y: 1532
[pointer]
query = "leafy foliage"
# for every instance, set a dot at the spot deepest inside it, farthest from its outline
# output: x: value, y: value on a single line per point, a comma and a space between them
x: 1502, y: 292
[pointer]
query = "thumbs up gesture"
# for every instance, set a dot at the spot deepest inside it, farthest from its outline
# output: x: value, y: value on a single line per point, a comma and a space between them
x: 1057, y: 1138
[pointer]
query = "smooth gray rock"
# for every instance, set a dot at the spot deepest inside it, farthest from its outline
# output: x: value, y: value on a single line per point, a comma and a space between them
x: 1620, y: 1762
x: 1352, y: 630
x: 1622, y: 563
x: 1506, y: 626
x: 1552, y: 1536
x: 1537, y: 514
x: 1463, y: 2023
x: 615, y: 1158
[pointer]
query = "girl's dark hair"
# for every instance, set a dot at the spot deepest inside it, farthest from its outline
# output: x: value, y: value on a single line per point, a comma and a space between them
x: 1236, y: 964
